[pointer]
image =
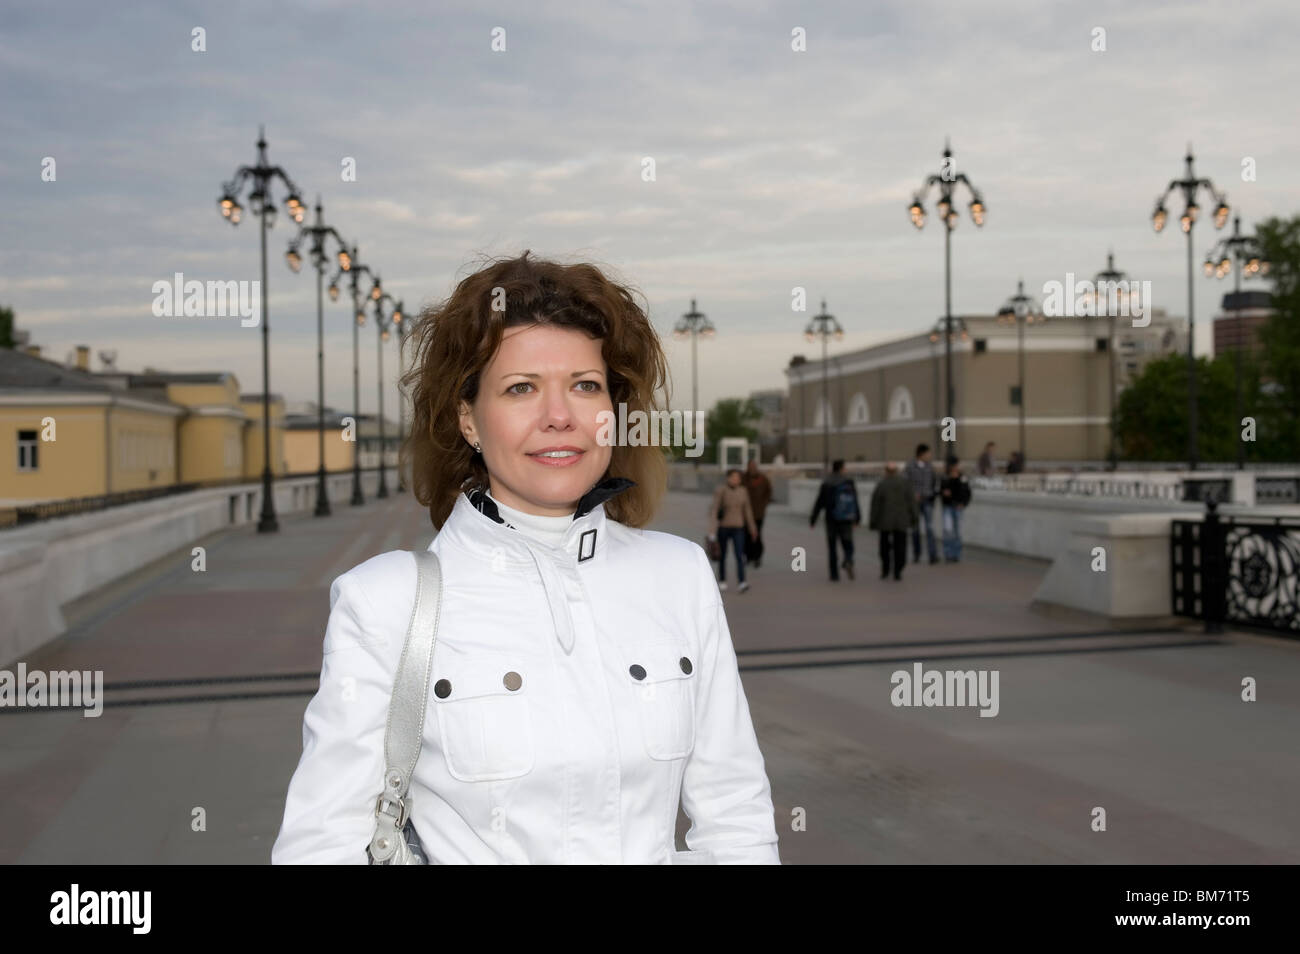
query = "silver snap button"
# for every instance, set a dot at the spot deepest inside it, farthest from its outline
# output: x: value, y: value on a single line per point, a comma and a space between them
x: 513, y: 681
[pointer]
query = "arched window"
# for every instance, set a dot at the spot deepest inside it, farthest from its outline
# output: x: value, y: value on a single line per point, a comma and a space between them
x: 822, y: 417
x: 901, y: 407
x: 859, y: 412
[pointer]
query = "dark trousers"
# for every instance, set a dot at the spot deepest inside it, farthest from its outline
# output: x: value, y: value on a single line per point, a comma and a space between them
x: 839, y: 531
x: 893, y: 552
x: 754, y: 544
x: 734, y: 537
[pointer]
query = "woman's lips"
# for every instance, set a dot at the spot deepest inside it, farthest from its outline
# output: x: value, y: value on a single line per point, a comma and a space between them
x: 557, y: 461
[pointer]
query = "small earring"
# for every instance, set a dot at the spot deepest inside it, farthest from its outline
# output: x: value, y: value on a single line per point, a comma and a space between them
x: 478, y: 448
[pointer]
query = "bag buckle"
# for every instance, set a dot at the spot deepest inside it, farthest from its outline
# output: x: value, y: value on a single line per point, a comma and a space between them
x: 400, y: 819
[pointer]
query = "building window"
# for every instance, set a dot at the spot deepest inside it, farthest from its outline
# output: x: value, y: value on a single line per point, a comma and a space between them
x: 27, y: 446
x: 859, y: 412
x: 900, y: 405
x: 981, y: 345
x: 823, y: 417
x: 1101, y: 344
x: 1015, y: 395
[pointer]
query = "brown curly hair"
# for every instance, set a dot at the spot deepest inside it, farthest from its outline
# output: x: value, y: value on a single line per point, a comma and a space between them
x: 455, y: 340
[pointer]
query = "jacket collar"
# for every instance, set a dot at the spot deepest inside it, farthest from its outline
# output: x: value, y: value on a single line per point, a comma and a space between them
x: 598, y: 494
x: 475, y: 525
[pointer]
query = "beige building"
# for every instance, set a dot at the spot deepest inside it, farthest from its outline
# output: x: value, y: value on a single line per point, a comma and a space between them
x: 71, y: 433
x: 878, y: 403
x: 75, y: 433
x: 302, y: 441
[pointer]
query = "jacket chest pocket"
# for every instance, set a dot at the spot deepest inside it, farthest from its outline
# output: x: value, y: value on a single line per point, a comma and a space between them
x: 484, y: 722
x: 661, y: 678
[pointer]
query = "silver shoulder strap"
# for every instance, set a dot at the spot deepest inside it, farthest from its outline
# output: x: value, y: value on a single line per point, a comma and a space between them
x: 406, y: 710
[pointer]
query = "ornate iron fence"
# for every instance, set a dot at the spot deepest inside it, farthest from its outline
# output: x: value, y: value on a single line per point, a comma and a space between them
x: 1237, y: 571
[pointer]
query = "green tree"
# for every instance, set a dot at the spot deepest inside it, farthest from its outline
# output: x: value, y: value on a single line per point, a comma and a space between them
x: 730, y: 417
x: 1151, y: 418
x: 1280, y: 339
x: 6, y: 327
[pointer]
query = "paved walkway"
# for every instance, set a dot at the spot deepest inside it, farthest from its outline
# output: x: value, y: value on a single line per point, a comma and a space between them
x: 208, y: 674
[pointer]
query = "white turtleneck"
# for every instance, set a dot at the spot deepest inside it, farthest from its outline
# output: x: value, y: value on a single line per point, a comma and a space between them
x: 548, y: 530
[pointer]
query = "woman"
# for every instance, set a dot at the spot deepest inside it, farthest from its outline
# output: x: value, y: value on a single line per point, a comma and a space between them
x: 730, y: 516
x: 584, y: 676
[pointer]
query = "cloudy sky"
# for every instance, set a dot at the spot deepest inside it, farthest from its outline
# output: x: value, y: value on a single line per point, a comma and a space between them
x: 775, y: 168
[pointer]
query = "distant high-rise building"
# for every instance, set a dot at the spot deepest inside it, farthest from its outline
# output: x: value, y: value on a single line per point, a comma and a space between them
x: 1242, y: 316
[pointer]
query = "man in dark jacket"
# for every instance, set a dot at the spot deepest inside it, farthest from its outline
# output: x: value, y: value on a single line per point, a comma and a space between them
x: 838, y: 496
x: 760, y: 495
x: 925, y: 482
x: 894, y: 511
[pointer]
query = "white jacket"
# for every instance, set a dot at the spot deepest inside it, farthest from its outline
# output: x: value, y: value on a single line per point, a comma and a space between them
x: 627, y: 697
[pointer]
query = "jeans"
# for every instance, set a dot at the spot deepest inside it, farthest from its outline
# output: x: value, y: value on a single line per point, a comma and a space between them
x: 840, y: 531
x: 735, y: 536
x: 927, y: 509
x: 893, y: 553
x: 951, y: 533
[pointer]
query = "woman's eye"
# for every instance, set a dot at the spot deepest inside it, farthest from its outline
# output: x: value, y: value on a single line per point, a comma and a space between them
x: 594, y: 389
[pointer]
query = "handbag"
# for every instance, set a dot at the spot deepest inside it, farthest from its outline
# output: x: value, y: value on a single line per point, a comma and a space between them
x: 395, y: 841
x: 713, y: 548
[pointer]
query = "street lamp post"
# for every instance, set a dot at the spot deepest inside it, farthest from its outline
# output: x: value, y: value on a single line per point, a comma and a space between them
x: 382, y: 324
x: 1232, y: 254
x: 1190, y: 185
x: 947, y: 181
x: 1110, y: 277
x: 259, y: 199
x: 356, y: 269
x: 1021, y: 309
x: 319, y: 233
x: 941, y: 330
x: 824, y: 326
x: 694, y: 324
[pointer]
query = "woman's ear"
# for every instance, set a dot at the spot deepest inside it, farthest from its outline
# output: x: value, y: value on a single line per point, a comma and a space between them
x: 466, y: 421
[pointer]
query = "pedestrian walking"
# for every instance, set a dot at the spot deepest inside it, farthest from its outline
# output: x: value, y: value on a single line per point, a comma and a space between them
x: 925, y: 485
x: 894, y: 510
x: 730, y: 517
x: 985, y: 464
x: 955, y: 494
x: 760, y: 495
x: 838, y: 496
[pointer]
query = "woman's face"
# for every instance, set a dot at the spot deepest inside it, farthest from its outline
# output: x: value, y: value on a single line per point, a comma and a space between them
x: 542, y: 390
x: 733, y: 479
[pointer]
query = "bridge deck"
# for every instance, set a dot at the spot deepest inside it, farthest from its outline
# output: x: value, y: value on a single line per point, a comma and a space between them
x: 1149, y: 726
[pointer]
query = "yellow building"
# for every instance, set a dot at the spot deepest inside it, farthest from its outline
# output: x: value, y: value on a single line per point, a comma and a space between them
x: 72, y: 434
x: 254, y: 444
x: 75, y: 433
x: 302, y: 442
